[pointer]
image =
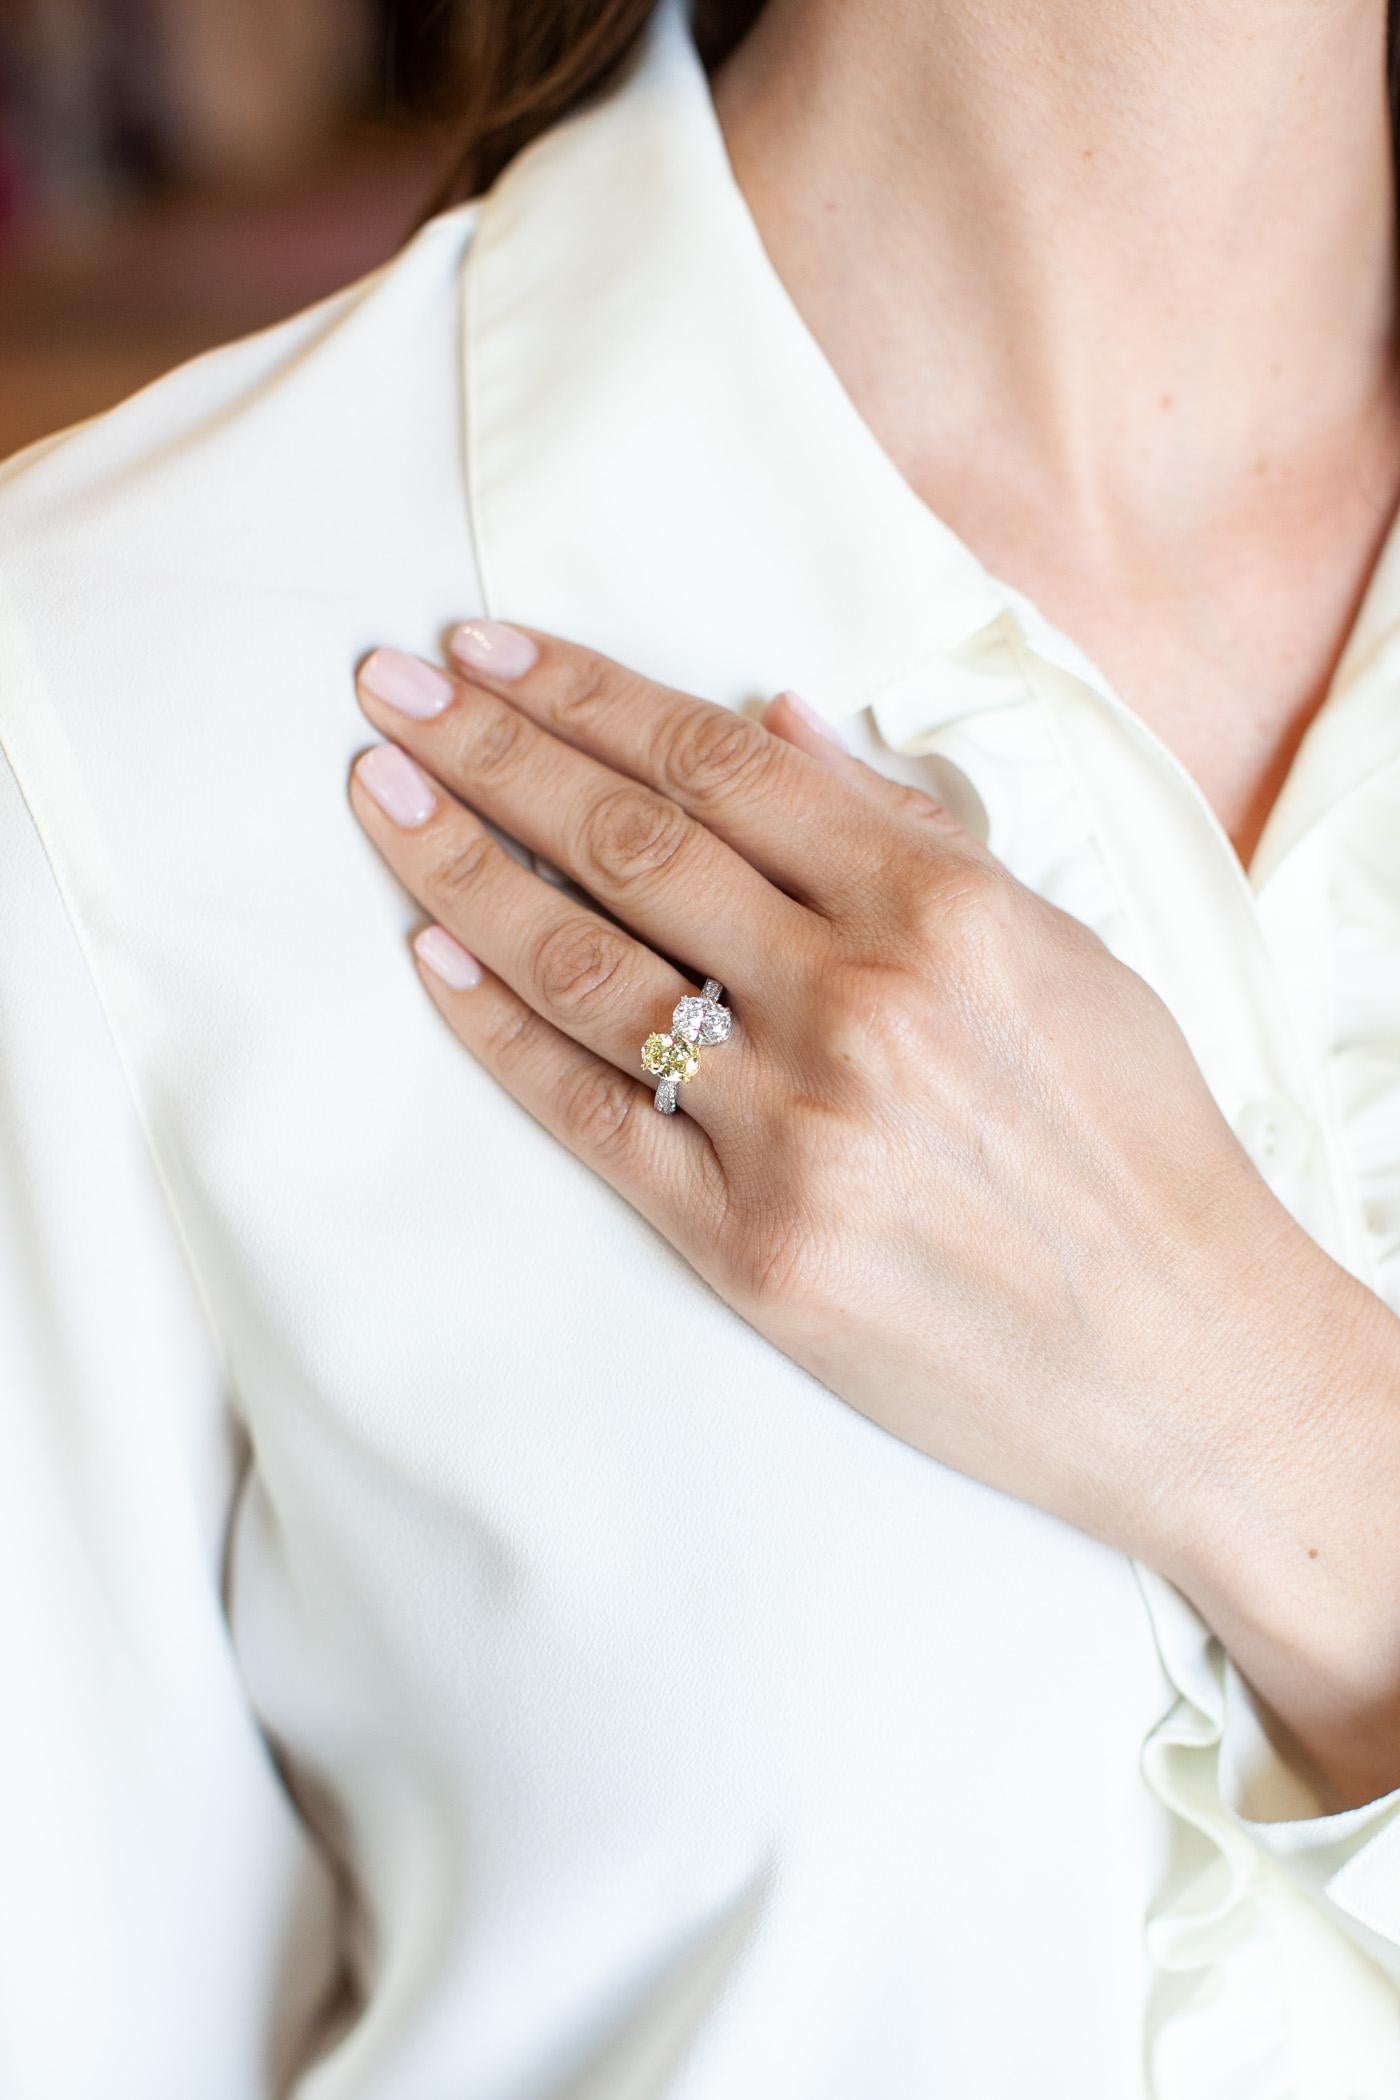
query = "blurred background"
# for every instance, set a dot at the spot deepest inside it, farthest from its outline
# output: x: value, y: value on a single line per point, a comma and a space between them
x: 175, y: 172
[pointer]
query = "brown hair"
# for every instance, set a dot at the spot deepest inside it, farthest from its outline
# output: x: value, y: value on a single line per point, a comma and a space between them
x: 524, y: 64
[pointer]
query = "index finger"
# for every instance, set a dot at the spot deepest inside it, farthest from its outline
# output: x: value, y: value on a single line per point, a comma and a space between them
x: 774, y: 804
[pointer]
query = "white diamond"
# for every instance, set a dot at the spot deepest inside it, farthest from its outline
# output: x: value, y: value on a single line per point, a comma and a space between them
x: 689, y: 1018
x: 701, y: 1020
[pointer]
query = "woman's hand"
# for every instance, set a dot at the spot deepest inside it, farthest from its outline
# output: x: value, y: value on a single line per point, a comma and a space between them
x: 955, y: 1159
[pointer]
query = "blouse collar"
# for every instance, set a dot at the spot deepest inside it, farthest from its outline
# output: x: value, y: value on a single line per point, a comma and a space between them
x: 660, y: 459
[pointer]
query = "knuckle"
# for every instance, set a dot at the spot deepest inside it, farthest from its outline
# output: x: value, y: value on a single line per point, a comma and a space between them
x: 465, y: 865
x: 975, y: 901
x: 873, y: 1021
x: 598, y: 1109
x: 513, y: 1036
x: 490, y: 737
x: 708, y: 752
x: 932, y: 818
x: 631, y: 834
x: 779, y: 1261
x: 586, y: 684
x: 579, y: 968
x: 959, y: 905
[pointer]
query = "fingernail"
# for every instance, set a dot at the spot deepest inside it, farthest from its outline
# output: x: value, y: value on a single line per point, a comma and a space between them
x: 407, y: 683
x: 487, y: 645
x: 447, y: 958
x: 401, y: 789
x: 809, y: 715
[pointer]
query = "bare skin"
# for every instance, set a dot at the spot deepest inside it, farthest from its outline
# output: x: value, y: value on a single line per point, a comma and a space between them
x: 1115, y: 287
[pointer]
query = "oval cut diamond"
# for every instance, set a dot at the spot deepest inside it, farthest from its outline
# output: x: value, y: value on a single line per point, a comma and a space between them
x: 701, y: 1020
x: 689, y: 1017
x: 670, y: 1058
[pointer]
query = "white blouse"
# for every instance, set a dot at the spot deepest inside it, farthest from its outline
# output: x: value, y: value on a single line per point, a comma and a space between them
x: 445, y: 1650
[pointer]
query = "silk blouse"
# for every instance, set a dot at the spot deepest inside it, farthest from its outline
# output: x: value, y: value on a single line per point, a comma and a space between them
x: 445, y: 1650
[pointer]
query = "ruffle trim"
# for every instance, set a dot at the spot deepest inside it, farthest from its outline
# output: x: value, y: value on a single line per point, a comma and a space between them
x: 1272, y: 1946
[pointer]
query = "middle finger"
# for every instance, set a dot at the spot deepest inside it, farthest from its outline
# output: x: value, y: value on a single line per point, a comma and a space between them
x: 586, y: 976
x: 632, y: 848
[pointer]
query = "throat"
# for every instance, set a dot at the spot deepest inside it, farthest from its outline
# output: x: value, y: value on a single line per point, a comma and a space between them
x: 1115, y: 289
x: 1225, y: 639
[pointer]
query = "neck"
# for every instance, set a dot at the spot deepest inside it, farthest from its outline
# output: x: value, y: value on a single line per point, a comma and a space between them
x: 1147, y: 245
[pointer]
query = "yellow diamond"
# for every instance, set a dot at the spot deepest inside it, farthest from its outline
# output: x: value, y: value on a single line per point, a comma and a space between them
x: 670, y: 1058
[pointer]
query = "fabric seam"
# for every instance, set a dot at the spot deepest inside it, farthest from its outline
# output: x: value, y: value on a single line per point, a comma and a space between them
x: 74, y: 921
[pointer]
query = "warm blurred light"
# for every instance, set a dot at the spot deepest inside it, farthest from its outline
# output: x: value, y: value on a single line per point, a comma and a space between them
x: 173, y: 172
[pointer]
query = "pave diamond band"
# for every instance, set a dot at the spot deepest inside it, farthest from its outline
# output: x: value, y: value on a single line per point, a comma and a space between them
x: 674, y: 1058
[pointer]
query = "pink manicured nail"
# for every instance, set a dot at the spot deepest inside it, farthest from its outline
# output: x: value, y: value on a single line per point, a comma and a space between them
x: 447, y: 958
x: 809, y: 715
x: 407, y: 683
x: 402, y: 790
x: 487, y: 645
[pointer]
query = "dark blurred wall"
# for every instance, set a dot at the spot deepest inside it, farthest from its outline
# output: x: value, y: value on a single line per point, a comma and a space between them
x: 173, y: 172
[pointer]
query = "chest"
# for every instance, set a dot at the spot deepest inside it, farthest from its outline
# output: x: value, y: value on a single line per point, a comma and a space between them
x: 1230, y: 695
x: 1223, y: 638
x: 1226, y: 649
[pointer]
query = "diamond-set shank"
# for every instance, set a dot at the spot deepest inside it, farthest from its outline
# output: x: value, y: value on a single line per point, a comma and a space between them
x: 674, y: 1058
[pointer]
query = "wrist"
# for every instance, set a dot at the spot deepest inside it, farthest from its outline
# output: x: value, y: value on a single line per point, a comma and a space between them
x: 1292, y: 1551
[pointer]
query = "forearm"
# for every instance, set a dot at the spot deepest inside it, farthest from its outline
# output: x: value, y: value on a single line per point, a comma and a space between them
x: 1294, y: 1555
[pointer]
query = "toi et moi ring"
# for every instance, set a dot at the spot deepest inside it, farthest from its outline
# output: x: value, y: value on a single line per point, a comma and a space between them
x: 675, y: 1058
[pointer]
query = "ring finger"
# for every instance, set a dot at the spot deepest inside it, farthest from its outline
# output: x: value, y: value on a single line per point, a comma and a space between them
x: 579, y: 971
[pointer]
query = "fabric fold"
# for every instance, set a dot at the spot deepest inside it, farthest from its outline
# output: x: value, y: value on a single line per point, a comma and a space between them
x: 1261, y: 1913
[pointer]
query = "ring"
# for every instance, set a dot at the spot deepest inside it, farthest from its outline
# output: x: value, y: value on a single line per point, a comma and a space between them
x: 675, y: 1058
